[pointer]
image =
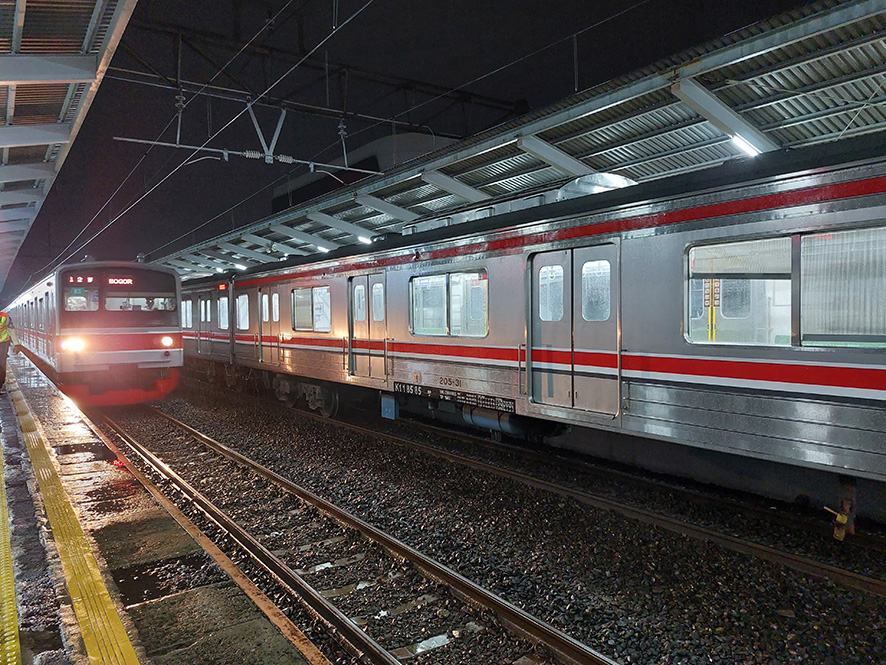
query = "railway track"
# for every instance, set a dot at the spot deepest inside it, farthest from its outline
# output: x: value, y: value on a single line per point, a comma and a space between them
x: 803, y: 564
x: 329, y: 572
x: 806, y: 564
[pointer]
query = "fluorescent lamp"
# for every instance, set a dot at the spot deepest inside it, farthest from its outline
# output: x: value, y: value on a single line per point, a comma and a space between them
x: 745, y: 146
x: 365, y: 240
x: 239, y: 266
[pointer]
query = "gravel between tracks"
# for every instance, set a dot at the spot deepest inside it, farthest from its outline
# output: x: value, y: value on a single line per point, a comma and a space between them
x: 636, y: 593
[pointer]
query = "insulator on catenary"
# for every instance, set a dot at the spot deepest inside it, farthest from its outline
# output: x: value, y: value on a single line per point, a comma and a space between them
x: 285, y: 159
x: 252, y: 154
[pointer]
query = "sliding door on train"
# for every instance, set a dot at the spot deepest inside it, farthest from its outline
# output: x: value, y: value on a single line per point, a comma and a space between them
x: 204, y: 328
x: 269, y: 326
x: 368, y: 326
x: 573, y: 360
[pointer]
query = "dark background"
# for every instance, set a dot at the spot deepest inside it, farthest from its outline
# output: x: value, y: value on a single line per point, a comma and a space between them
x: 450, y: 67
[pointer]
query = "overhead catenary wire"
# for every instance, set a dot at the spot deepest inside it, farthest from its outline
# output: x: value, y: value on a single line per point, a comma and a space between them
x: 225, y: 126
x: 267, y: 24
x: 339, y: 141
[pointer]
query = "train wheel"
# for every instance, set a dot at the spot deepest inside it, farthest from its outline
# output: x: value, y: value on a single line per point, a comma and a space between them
x: 329, y: 406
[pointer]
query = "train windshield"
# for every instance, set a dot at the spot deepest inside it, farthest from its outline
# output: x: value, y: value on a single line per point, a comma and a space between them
x: 118, y: 297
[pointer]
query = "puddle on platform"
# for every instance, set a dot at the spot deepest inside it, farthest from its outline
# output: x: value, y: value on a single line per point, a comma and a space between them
x: 98, y: 451
x: 138, y: 584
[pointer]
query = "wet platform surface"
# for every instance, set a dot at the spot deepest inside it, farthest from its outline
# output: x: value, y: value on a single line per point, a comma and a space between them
x: 175, y: 603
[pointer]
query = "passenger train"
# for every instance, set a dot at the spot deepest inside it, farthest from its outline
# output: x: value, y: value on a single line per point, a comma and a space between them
x: 106, y: 333
x: 741, y: 309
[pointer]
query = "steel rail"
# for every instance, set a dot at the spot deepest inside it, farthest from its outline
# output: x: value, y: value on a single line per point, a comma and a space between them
x: 863, y: 540
x: 800, y: 563
x: 523, y: 622
x: 360, y: 643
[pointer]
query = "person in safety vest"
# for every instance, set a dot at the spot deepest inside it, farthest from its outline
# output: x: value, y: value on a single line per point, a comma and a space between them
x: 7, y: 334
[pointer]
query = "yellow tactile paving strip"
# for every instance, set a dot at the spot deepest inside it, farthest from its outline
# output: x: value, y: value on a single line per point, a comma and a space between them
x: 104, y: 636
x: 10, y: 650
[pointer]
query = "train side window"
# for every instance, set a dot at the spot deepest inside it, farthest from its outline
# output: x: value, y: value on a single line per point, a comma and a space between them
x: 202, y: 310
x: 378, y: 302
x: 223, y: 312
x: 311, y: 309
x: 359, y: 302
x: 265, y: 308
x: 243, y: 312
x: 595, y: 290
x: 428, y: 304
x: 843, y: 288
x: 468, y: 304
x: 322, y: 310
x: 275, y: 307
x: 454, y: 304
x: 550, y: 293
x: 740, y: 293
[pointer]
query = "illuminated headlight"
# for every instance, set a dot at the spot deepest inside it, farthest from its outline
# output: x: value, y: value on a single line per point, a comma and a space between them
x: 73, y: 344
x: 167, y: 341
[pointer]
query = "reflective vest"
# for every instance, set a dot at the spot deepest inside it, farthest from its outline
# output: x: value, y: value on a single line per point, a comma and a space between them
x: 4, y: 327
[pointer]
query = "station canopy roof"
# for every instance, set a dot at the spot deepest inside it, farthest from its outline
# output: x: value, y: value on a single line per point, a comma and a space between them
x: 53, y: 56
x: 814, y: 75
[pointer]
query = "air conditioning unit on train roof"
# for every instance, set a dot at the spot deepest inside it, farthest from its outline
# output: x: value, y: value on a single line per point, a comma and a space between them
x: 593, y: 183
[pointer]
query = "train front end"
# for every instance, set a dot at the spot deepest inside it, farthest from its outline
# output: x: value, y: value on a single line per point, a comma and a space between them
x: 119, y: 333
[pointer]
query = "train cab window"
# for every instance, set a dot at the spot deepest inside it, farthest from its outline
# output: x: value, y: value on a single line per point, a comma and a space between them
x: 843, y: 288
x: 223, y: 312
x: 378, y: 302
x: 81, y: 298
x: 740, y: 293
x: 550, y: 293
x: 265, y: 308
x: 311, y: 309
x: 275, y: 307
x: 454, y: 304
x: 595, y: 290
x: 359, y: 302
x: 243, y: 311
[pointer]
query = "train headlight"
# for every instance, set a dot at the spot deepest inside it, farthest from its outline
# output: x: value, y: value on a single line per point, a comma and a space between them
x: 73, y: 344
x: 167, y: 341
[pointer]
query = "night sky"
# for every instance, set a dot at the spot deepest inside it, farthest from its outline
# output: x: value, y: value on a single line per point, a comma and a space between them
x: 491, y: 49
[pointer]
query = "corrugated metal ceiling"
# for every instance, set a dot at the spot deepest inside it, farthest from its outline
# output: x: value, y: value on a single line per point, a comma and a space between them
x: 813, y: 75
x: 51, y: 54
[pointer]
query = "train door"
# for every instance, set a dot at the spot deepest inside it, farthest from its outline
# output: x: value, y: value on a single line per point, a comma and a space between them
x: 204, y: 329
x: 378, y: 329
x: 269, y: 326
x: 368, y: 326
x: 574, y: 329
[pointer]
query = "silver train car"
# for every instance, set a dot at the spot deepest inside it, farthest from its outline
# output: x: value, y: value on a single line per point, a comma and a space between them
x: 740, y: 310
x: 107, y: 333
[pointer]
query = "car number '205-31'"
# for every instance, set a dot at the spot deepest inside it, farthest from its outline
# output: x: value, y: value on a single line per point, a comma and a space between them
x: 471, y: 399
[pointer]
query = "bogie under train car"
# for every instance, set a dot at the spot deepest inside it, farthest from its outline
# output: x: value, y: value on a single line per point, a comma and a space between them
x: 106, y: 333
x: 741, y: 310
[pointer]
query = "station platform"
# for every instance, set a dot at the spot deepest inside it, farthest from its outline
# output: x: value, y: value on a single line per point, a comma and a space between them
x: 97, y: 567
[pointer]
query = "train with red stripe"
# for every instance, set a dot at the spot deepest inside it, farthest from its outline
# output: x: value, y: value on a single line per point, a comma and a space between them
x: 106, y: 333
x: 741, y: 309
